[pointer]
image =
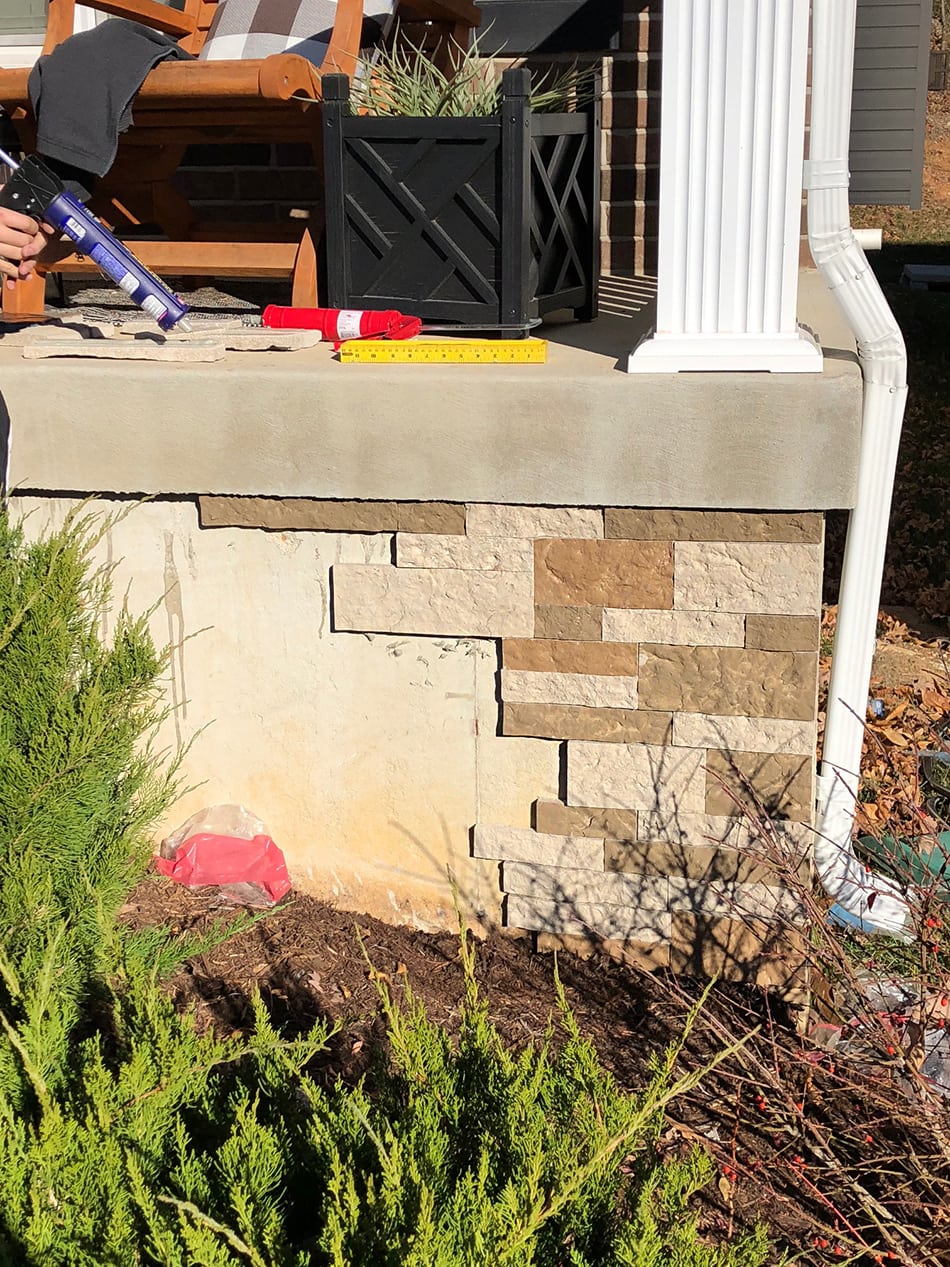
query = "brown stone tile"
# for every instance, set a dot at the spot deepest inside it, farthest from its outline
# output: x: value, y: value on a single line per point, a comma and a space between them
x: 573, y: 624
x: 577, y: 820
x: 634, y: 954
x: 604, y: 573
x: 303, y: 514
x: 782, y: 784
x: 297, y: 514
x: 547, y: 655
x: 711, y: 525
x: 600, y: 725
x: 750, y: 951
x: 444, y: 518
x: 703, y: 863
x: 782, y: 633
x: 729, y: 680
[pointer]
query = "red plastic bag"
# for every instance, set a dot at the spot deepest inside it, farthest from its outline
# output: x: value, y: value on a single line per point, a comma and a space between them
x: 228, y: 847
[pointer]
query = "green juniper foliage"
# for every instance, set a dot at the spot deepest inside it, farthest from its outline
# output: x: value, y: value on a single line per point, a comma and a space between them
x: 126, y: 1138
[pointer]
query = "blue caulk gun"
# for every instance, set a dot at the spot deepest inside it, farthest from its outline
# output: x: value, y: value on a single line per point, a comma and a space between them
x: 38, y: 192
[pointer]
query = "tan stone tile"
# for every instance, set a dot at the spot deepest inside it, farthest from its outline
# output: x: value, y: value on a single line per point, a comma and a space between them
x: 432, y: 601
x: 297, y: 514
x: 782, y: 633
x: 572, y: 624
x: 521, y: 844
x: 471, y: 554
x: 600, y: 725
x: 483, y: 520
x: 444, y: 518
x: 704, y: 863
x: 726, y: 831
x: 737, y: 950
x: 577, y: 886
x: 603, y: 573
x: 782, y: 784
x: 582, y: 820
x: 711, y: 525
x: 745, y: 734
x: 648, y: 956
x: 692, y: 629
x: 773, y: 578
x: 646, y: 777
x: 547, y: 655
x: 728, y: 681
x: 614, y: 923
x: 577, y: 689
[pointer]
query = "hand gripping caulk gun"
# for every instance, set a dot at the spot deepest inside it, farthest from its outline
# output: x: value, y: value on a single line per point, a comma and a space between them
x: 38, y: 192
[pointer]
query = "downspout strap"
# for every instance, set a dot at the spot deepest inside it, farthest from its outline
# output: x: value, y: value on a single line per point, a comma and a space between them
x: 826, y: 173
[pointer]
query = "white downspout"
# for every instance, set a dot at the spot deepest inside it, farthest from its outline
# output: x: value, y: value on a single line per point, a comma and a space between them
x: 873, y: 900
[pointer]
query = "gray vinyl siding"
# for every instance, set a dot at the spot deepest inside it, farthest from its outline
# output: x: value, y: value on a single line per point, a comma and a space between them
x: 889, y: 107
x: 25, y: 17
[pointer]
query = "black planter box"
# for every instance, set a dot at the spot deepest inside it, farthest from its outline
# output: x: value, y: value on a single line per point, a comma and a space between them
x: 486, y: 222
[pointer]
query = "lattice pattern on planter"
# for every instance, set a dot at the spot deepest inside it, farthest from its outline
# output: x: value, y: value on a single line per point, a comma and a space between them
x: 483, y: 221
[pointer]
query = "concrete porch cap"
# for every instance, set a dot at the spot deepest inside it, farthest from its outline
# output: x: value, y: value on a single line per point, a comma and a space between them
x: 576, y: 431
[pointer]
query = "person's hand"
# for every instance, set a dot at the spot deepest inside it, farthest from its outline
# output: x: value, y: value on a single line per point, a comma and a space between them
x: 21, y: 241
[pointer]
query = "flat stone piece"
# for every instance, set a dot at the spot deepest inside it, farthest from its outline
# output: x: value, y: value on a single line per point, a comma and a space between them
x: 648, y: 956
x: 13, y: 336
x: 478, y: 554
x: 130, y: 350
x: 583, y: 820
x: 533, y: 521
x: 297, y: 514
x: 599, y: 725
x: 782, y: 633
x: 773, y: 578
x: 728, y: 899
x: 755, y: 952
x: 782, y: 785
x: 432, y: 601
x: 704, y: 863
x: 745, y: 734
x: 614, y: 923
x: 521, y: 844
x: 603, y: 573
x: 729, y: 680
x: 572, y: 624
x: 520, y: 686
x: 686, y: 628
x: 447, y: 518
x: 562, y: 884
x: 711, y: 525
x: 303, y: 514
x: 142, y: 325
x: 645, y: 777
x: 700, y: 830
x: 549, y: 655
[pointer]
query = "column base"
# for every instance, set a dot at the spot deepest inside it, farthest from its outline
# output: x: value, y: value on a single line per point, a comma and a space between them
x: 795, y: 353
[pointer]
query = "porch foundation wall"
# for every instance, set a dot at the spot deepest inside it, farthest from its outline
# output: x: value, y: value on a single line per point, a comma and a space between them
x: 574, y: 715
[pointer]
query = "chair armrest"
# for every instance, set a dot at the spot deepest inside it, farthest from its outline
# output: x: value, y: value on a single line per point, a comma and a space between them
x: 149, y: 12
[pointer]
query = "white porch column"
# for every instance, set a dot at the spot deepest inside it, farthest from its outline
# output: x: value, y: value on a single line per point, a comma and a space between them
x: 731, y: 151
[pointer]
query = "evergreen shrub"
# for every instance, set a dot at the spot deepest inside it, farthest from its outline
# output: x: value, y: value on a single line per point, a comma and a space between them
x: 126, y: 1138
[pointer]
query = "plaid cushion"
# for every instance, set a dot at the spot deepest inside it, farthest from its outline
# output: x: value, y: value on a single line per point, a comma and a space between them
x: 256, y: 28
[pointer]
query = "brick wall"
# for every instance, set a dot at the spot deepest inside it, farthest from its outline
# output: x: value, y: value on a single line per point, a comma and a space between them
x: 671, y: 655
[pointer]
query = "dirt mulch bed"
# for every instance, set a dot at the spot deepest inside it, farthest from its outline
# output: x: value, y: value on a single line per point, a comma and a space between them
x: 310, y: 961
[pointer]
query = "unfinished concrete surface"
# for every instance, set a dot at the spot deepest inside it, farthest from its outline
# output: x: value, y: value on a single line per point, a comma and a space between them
x: 576, y: 431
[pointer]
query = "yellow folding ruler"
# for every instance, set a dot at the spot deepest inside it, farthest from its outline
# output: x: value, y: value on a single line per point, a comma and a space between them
x: 446, y: 351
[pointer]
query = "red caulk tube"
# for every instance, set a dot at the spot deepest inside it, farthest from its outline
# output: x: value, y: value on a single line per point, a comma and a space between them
x: 338, y: 324
x: 38, y: 192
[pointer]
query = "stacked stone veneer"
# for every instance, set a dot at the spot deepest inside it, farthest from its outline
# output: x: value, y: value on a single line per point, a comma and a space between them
x: 672, y: 654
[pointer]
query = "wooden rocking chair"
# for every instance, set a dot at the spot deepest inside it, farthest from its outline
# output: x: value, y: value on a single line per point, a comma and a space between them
x: 183, y: 103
